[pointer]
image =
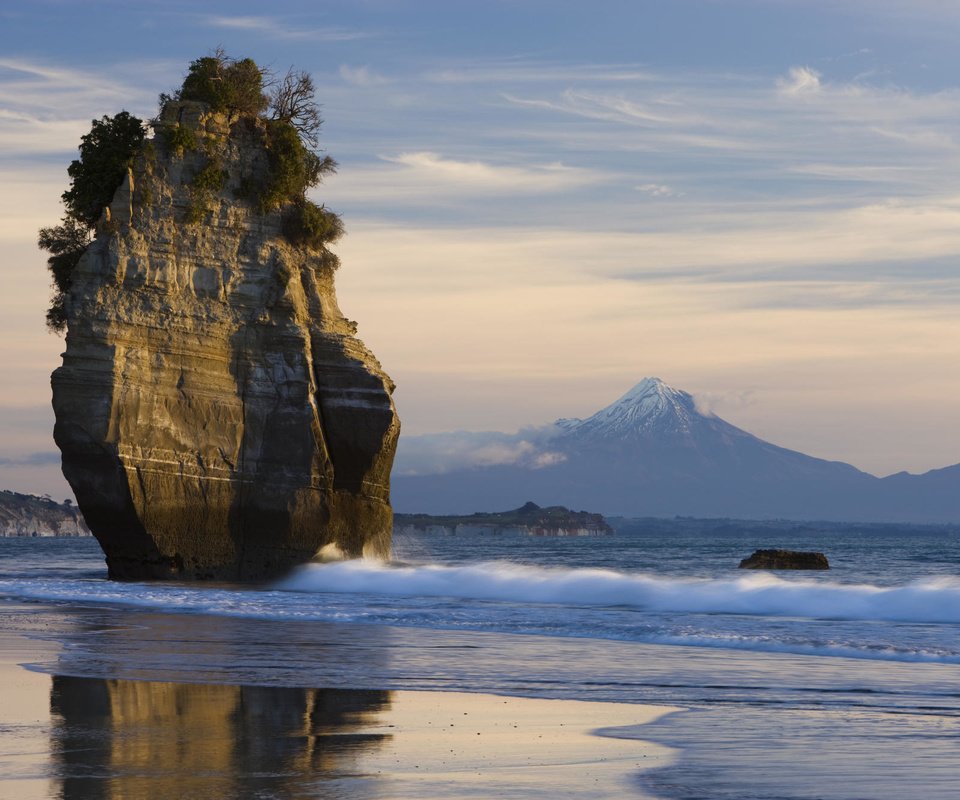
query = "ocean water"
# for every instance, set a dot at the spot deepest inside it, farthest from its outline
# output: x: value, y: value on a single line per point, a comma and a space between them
x: 842, y: 684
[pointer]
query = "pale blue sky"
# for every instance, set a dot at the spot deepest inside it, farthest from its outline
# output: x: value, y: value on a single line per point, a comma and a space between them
x: 547, y: 201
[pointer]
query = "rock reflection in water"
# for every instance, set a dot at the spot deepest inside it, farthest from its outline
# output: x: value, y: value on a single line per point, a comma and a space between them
x: 134, y: 739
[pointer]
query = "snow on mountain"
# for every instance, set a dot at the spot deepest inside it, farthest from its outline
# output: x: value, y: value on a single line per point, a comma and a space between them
x: 649, y: 406
x: 653, y: 453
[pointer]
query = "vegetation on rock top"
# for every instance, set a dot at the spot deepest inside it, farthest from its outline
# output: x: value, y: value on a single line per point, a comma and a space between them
x: 230, y: 85
x: 285, y: 116
x: 106, y: 154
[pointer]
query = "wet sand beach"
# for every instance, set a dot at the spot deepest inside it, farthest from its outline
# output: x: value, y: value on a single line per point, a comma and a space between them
x: 80, y: 737
x: 147, y: 690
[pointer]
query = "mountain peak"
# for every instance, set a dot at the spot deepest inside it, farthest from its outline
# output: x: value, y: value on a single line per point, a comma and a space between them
x: 651, y: 405
x: 648, y: 387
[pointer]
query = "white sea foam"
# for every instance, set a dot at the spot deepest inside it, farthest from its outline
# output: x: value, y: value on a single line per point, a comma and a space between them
x: 594, y: 603
x: 930, y: 600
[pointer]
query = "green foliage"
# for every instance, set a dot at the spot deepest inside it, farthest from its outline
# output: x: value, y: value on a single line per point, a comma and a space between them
x: 306, y: 223
x: 179, y: 138
x: 66, y: 243
x: 282, y: 276
x: 205, y: 184
x: 143, y: 196
x: 288, y: 122
x: 289, y: 135
x: 225, y: 84
x: 293, y: 168
x: 105, y: 155
x: 143, y: 190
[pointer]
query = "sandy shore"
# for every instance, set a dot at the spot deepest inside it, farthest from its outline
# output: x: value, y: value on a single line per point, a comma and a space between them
x: 70, y: 737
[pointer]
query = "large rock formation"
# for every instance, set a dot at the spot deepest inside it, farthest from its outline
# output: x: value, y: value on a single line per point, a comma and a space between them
x: 217, y: 416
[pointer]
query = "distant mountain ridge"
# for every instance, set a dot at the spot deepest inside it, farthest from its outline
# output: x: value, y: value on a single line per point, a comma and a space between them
x: 652, y: 452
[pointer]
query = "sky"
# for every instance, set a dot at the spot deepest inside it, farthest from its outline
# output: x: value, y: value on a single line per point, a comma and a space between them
x: 757, y: 201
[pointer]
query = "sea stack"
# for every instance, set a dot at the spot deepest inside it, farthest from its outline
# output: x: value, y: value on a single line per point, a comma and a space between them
x: 217, y: 416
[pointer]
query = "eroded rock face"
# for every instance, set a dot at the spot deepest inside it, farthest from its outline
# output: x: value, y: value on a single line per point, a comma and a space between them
x: 217, y: 416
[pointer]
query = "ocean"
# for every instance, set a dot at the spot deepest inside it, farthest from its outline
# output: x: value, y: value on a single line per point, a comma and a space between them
x: 839, y: 685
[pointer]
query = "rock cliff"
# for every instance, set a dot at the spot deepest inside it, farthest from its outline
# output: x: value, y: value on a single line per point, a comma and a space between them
x: 217, y: 416
x: 29, y: 515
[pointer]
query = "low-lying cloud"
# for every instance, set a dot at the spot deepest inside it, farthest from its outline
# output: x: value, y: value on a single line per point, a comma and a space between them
x: 439, y: 453
x: 42, y: 459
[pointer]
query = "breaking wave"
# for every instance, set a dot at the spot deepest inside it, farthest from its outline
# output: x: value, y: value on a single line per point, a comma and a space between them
x: 756, y: 612
x: 930, y: 600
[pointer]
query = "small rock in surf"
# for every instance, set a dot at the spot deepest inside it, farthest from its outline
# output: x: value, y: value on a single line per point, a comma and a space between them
x: 785, y: 559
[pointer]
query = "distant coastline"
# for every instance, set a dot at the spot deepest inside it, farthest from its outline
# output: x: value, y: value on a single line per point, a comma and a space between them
x: 530, y: 519
x: 27, y: 515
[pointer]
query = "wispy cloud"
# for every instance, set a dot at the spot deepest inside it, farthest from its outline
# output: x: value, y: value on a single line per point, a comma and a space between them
x: 832, y: 143
x: 657, y: 190
x: 30, y: 86
x: 280, y: 29
x: 491, y: 177
x: 24, y: 135
x: 611, y: 108
x: 518, y: 71
x: 877, y: 256
x: 799, y: 81
x: 427, y: 176
x: 31, y: 460
x: 362, y: 76
x: 537, y: 325
x: 46, y: 108
x: 553, y: 219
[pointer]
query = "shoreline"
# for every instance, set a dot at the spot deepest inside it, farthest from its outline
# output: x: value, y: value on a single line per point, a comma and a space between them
x: 67, y: 736
x: 877, y: 729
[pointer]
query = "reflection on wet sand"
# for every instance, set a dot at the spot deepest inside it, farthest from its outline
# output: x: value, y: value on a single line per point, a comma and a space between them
x: 118, y: 739
x: 131, y: 739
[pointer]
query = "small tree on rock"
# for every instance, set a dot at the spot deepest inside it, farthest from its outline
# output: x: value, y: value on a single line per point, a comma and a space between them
x: 106, y: 154
x: 293, y: 101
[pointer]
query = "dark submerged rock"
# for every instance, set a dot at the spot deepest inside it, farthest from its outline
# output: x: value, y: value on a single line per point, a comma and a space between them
x: 785, y: 559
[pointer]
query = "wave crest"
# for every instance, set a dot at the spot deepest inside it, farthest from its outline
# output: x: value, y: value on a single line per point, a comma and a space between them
x: 929, y: 600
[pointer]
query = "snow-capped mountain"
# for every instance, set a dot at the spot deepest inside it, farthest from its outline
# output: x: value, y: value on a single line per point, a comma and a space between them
x: 652, y: 452
x: 649, y: 407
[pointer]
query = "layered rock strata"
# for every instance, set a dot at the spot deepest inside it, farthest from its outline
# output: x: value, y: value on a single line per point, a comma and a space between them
x: 217, y: 416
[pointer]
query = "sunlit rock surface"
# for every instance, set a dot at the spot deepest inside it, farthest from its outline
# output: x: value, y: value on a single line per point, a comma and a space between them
x: 217, y: 416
